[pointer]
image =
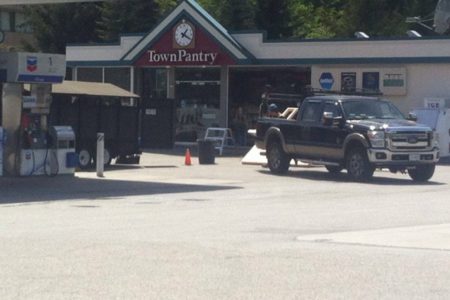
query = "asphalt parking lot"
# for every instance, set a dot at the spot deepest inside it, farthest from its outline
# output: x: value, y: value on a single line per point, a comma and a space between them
x: 162, y: 171
x: 164, y: 230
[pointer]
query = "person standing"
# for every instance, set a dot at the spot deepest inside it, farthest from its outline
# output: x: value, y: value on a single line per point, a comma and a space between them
x: 264, y: 106
x: 239, y: 125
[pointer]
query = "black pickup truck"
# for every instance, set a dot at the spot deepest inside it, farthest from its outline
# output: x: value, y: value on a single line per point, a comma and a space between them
x: 356, y: 133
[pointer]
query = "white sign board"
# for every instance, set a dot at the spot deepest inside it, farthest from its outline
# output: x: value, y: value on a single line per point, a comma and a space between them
x: 25, y: 67
x: 29, y: 101
x: 388, y: 81
x: 439, y: 103
x: 393, y: 81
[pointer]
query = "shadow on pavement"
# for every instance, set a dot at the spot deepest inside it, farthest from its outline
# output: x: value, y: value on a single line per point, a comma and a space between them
x: 39, y: 189
x: 121, y: 167
x: 378, y: 179
x: 232, y: 151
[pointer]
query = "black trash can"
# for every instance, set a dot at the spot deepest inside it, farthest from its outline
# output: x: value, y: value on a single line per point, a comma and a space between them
x: 206, y: 154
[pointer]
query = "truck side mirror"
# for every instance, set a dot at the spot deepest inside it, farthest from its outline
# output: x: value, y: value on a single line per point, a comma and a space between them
x: 412, y: 117
x: 338, y: 121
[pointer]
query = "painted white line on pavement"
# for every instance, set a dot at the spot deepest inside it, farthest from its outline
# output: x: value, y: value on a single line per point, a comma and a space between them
x: 421, y: 237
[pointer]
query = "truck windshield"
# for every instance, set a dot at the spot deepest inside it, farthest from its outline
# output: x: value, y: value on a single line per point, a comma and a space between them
x: 370, y: 109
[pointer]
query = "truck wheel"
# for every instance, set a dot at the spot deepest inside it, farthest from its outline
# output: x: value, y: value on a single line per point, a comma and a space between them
x: 358, y: 166
x: 107, y: 157
x: 85, y: 159
x: 422, y: 173
x: 334, y: 169
x: 277, y: 159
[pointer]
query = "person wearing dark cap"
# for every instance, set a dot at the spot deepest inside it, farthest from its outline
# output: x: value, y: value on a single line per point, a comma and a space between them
x: 273, y: 111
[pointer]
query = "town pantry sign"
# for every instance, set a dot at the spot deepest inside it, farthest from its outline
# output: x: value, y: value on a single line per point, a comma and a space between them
x: 182, y: 56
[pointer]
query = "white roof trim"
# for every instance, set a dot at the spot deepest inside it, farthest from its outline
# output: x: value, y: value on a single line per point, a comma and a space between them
x: 343, y: 49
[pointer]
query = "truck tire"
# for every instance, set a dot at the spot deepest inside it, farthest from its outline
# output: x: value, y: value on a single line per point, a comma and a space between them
x: 358, y: 165
x: 334, y: 169
x: 422, y: 173
x: 85, y: 158
x: 107, y: 156
x: 277, y: 159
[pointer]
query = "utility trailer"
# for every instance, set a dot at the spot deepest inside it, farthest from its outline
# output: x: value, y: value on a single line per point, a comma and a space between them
x: 98, y: 107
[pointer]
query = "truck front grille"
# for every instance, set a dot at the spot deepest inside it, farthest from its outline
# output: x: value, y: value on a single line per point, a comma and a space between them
x: 409, y: 140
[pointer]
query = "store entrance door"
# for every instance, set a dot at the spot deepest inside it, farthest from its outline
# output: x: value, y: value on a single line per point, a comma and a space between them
x: 158, y: 123
x: 198, y: 97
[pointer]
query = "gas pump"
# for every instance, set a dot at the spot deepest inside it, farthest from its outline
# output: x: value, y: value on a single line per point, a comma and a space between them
x: 34, y: 149
x: 35, y: 156
x: 62, y: 140
x: 33, y: 135
x: 28, y: 150
x: 45, y: 150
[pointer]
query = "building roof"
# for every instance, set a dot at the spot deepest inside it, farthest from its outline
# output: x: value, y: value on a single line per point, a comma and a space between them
x: 90, y: 89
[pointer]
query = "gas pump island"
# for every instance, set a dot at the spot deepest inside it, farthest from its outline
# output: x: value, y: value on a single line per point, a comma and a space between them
x: 31, y: 146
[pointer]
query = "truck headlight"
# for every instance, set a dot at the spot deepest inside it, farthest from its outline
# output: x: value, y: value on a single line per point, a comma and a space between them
x: 377, y: 138
x: 435, y: 139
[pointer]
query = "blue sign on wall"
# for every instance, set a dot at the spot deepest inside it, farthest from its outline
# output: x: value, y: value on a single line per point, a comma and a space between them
x: 326, y: 81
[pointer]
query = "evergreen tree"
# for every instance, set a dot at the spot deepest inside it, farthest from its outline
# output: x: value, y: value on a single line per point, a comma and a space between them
x: 425, y: 8
x: 378, y: 17
x: 274, y: 17
x: 235, y: 14
x: 127, y: 16
x: 166, y: 6
x: 57, y: 25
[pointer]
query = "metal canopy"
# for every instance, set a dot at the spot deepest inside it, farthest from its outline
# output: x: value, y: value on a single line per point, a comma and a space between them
x: 89, y: 89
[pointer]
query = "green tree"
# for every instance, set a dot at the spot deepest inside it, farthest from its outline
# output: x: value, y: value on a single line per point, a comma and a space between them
x: 127, y: 16
x: 377, y: 17
x: 425, y: 8
x: 316, y: 18
x: 232, y: 14
x: 166, y: 6
x: 274, y: 17
x: 57, y: 25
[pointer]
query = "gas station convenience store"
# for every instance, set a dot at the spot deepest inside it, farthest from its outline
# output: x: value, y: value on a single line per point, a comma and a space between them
x: 208, y: 73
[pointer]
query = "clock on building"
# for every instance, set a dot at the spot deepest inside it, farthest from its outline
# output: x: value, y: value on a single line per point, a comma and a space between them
x: 184, y: 35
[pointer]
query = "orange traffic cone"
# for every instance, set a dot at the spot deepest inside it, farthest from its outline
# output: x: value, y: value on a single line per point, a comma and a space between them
x: 187, y: 157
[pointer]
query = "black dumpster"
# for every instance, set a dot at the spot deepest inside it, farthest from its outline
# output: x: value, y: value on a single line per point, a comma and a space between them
x: 206, y: 154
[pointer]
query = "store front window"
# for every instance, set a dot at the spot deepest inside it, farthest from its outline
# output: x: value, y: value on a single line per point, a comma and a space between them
x: 198, y: 102
x: 90, y: 74
x: 152, y: 83
x: 119, y: 77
